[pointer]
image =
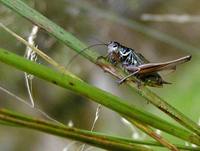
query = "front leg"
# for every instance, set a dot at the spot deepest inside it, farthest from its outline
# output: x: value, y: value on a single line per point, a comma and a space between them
x: 102, y: 57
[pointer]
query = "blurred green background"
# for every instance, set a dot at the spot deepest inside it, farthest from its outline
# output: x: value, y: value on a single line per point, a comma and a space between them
x: 89, y: 21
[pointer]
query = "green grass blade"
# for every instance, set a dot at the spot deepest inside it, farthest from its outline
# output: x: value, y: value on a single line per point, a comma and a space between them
x: 11, y: 118
x: 99, y: 140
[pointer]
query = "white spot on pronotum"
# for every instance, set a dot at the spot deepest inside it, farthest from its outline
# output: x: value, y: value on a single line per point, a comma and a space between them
x: 135, y: 62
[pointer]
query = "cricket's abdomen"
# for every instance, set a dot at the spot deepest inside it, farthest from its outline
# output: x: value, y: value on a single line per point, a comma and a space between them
x: 153, y: 80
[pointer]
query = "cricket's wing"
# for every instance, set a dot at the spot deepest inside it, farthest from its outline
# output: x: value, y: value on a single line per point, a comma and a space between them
x: 156, y: 67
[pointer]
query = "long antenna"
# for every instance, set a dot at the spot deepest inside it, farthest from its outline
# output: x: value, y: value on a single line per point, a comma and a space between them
x: 70, y: 61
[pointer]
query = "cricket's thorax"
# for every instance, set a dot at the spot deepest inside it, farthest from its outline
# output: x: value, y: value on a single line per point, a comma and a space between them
x: 128, y: 56
x: 125, y: 55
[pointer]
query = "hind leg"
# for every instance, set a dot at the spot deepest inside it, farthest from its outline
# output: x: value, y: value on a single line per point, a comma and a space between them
x: 128, y: 76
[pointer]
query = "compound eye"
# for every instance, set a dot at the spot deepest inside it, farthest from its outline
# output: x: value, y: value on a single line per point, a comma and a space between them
x: 115, y: 45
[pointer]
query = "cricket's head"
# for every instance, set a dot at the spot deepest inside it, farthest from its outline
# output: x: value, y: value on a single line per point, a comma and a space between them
x: 113, y: 46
